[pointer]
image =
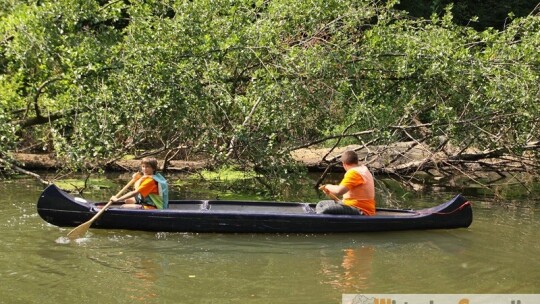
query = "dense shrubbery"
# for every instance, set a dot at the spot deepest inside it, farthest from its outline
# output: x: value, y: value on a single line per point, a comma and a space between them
x: 245, y: 82
x: 478, y: 14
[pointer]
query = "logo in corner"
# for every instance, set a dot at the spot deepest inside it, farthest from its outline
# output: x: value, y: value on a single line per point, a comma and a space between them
x: 362, y: 299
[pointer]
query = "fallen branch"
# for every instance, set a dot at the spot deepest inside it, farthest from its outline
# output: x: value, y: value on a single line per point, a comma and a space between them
x: 26, y: 172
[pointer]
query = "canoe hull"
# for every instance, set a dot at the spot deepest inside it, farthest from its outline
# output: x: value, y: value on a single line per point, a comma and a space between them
x: 61, y: 209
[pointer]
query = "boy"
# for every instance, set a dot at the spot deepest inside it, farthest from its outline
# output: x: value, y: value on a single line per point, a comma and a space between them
x: 357, y: 188
x: 151, y: 190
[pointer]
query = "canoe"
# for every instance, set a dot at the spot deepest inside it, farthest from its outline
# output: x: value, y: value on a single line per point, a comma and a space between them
x: 61, y: 209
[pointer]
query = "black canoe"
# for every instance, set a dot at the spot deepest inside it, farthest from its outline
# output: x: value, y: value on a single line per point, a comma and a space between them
x: 64, y: 210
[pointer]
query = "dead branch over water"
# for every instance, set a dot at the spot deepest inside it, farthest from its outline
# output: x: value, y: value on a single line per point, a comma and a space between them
x: 436, y: 157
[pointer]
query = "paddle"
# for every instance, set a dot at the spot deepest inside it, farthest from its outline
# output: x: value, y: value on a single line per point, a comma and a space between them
x: 83, y: 228
x: 330, y: 194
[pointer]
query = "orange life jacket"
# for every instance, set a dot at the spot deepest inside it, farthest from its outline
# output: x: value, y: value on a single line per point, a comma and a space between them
x: 361, y: 187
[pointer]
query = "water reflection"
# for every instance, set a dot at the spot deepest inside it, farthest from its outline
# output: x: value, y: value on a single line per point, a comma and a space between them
x: 145, y: 276
x: 387, y: 261
x: 354, y: 271
x: 135, y: 276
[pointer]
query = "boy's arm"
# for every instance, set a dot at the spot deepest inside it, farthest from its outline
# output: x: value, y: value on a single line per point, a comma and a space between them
x: 125, y: 196
x: 336, y: 189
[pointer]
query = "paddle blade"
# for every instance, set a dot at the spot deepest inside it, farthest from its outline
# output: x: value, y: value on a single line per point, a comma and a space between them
x: 79, y: 231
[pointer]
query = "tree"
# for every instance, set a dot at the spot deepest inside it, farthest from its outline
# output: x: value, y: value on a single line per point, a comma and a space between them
x: 246, y: 83
x: 479, y: 14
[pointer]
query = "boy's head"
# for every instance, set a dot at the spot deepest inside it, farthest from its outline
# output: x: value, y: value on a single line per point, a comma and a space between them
x: 151, y: 162
x: 349, y: 158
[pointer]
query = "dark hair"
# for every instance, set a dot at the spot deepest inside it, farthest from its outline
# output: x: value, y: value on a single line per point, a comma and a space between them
x: 349, y: 158
x: 150, y: 161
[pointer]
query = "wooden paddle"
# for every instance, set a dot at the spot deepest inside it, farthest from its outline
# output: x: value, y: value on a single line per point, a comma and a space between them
x: 81, y: 230
x: 330, y: 194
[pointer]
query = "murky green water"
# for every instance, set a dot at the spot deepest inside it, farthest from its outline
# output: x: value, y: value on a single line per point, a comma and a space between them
x: 499, y: 253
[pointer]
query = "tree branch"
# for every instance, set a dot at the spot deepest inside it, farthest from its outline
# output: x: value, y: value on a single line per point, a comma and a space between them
x: 26, y: 172
x: 39, y: 120
x: 39, y: 90
x: 234, y: 139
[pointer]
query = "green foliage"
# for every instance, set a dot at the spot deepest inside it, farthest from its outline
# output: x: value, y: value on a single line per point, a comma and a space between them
x: 478, y: 14
x: 225, y: 174
x: 245, y: 82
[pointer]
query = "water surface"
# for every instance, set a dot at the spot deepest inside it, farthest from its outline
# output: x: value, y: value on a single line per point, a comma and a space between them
x: 497, y: 254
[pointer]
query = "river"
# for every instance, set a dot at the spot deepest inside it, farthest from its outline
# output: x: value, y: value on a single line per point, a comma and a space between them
x: 499, y: 253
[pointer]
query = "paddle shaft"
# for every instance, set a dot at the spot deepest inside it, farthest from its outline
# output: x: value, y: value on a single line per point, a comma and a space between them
x: 330, y: 194
x: 83, y: 228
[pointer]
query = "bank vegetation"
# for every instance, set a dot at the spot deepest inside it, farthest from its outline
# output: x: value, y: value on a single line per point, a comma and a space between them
x: 254, y: 84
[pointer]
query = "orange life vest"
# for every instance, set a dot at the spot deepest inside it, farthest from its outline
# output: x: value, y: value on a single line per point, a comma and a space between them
x: 361, y: 187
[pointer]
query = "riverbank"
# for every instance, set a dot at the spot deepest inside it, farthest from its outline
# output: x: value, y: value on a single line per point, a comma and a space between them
x: 315, y: 160
x: 400, y: 158
x: 311, y: 158
x: 39, y: 162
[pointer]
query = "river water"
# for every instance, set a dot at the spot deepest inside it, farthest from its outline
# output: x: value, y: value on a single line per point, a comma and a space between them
x: 499, y: 253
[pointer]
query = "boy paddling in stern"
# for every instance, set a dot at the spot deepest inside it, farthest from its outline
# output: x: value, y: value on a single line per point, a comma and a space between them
x: 357, y: 188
